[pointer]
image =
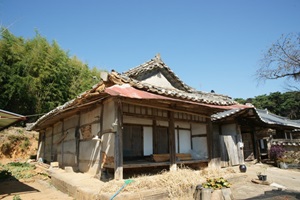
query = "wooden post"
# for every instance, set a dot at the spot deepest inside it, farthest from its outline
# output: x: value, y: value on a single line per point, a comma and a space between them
x: 51, y: 154
x: 239, y: 141
x: 210, y: 144
x: 77, y: 140
x: 44, y: 145
x: 118, y: 158
x: 62, y: 143
x: 172, y: 146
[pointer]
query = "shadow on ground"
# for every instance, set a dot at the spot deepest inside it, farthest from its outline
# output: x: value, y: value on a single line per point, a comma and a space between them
x: 12, y: 186
x: 278, y: 195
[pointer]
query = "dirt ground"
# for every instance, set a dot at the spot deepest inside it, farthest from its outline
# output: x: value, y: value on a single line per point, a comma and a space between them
x: 30, y: 190
x: 286, y: 185
x: 282, y: 183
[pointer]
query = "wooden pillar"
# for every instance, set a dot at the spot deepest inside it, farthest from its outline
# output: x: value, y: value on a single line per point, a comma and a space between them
x: 77, y: 140
x: 62, y: 143
x: 44, y: 145
x: 210, y: 144
x: 172, y: 146
x: 240, y: 141
x: 51, y: 153
x: 118, y: 158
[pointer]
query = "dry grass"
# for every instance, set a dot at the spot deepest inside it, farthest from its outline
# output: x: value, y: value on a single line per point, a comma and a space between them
x: 177, y: 183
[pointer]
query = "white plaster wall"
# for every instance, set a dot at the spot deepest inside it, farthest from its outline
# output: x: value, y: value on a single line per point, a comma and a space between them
x: 69, y: 153
x: 198, y: 129
x: 108, y: 115
x: 90, y: 116
x: 136, y: 120
x: 57, y: 128
x: 184, y: 141
x: 229, y: 129
x: 162, y: 123
x: 70, y: 134
x: 148, y: 140
x: 71, y: 122
x: 108, y: 143
x: 159, y: 80
x: 69, y: 148
x: 48, y: 143
x: 89, y: 156
x: 182, y: 125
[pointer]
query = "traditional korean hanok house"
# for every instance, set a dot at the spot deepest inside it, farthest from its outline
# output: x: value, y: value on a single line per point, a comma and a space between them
x: 145, y: 117
x: 248, y: 133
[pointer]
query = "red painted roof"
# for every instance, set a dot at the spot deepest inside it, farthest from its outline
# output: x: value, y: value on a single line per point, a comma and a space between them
x: 128, y: 91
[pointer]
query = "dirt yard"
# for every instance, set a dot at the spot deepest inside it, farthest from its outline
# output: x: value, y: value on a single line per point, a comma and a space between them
x: 37, y: 185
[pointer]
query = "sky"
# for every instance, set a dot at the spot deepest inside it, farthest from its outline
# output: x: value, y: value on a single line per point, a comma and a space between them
x: 210, y: 45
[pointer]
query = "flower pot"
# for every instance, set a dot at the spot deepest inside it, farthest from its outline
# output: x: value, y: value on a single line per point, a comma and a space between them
x: 263, y: 177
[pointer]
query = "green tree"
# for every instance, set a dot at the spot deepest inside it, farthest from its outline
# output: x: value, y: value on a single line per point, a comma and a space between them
x: 283, y: 104
x: 36, y: 76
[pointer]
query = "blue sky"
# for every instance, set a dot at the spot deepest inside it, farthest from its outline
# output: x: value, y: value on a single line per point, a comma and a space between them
x: 208, y: 44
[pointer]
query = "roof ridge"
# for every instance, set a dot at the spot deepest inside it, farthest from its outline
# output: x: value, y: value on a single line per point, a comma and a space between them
x: 154, y: 63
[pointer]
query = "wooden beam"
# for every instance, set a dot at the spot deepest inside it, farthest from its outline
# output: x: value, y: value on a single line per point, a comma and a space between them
x: 166, y: 108
x: 172, y: 146
x: 118, y: 158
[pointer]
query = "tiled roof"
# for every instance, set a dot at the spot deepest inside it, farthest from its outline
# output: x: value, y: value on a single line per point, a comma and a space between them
x: 156, y: 64
x: 285, y: 142
x: 195, y: 96
x: 226, y: 113
x: 263, y: 115
x: 271, y: 118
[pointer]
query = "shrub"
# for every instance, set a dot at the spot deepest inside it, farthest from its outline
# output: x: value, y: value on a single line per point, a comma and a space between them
x: 5, y: 148
x: 276, y: 152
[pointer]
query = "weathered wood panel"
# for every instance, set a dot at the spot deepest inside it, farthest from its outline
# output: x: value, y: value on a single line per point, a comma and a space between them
x: 231, y: 146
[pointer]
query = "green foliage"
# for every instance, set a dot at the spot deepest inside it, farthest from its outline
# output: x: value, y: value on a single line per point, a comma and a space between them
x: 17, y: 170
x: 17, y: 197
x: 36, y: 76
x: 283, y: 104
x: 25, y: 144
x: 216, y: 183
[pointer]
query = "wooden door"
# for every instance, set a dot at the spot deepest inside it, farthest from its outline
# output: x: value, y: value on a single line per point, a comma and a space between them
x: 229, y: 147
x: 132, y: 142
x: 161, y: 140
x: 248, y: 146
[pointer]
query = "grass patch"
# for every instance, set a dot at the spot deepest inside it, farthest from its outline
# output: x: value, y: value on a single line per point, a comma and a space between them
x: 16, y: 170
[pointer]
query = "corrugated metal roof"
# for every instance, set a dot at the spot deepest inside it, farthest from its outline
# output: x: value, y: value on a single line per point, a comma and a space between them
x: 9, y: 118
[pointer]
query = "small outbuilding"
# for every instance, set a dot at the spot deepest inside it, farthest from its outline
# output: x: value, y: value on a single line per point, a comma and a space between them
x: 143, y: 118
x: 248, y: 133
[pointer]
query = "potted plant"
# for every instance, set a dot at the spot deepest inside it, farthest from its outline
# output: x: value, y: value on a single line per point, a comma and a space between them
x: 261, y: 176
